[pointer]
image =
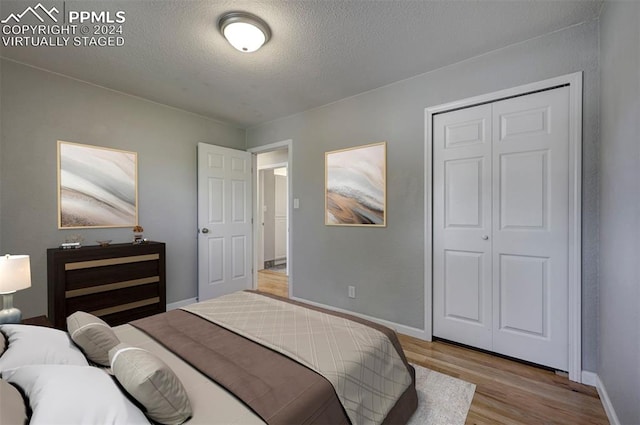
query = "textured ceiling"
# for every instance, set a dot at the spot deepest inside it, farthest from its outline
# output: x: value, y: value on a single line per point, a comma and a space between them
x: 320, y: 51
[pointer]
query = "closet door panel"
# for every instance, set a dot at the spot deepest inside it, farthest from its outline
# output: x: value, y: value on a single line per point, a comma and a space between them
x: 462, y: 223
x: 530, y: 227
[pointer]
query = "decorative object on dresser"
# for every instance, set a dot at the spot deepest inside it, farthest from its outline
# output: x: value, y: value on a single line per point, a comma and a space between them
x: 118, y: 283
x: 72, y: 242
x: 137, y: 234
x: 15, y: 274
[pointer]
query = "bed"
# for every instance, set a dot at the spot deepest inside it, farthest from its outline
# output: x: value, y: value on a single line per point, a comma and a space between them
x: 244, y: 358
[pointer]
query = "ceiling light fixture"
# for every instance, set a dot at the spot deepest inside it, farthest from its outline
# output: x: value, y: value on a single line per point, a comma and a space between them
x: 244, y: 31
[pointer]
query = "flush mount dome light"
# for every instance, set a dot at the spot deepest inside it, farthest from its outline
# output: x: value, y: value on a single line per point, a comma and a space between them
x: 244, y: 31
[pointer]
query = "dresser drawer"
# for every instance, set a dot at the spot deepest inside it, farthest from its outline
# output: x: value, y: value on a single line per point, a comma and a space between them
x: 117, y: 283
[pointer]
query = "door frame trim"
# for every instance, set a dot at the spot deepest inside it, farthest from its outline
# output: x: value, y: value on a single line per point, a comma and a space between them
x: 574, y: 311
x: 264, y: 149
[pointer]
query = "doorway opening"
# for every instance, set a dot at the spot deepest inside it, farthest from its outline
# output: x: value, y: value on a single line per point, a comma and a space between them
x: 272, y: 256
x: 272, y: 214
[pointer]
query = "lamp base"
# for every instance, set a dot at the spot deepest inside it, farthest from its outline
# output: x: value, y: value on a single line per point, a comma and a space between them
x: 10, y: 315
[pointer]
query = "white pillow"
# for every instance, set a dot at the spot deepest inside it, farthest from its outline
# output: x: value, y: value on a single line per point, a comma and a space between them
x: 38, y: 345
x: 63, y: 394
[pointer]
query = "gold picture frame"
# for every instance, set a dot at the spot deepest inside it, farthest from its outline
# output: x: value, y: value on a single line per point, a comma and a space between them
x: 355, y: 191
x: 97, y: 187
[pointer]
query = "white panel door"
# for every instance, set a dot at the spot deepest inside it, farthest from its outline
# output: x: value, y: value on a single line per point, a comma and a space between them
x: 224, y: 221
x: 531, y: 227
x: 501, y: 226
x: 462, y: 225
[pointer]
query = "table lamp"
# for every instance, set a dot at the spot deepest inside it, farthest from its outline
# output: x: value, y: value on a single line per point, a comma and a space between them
x: 15, y: 274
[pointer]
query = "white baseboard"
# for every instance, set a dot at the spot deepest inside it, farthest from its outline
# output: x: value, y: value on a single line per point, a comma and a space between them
x: 589, y: 378
x: 179, y: 304
x: 403, y: 329
x: 606, y: 402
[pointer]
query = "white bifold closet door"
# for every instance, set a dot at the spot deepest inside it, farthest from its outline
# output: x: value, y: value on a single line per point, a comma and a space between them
x: 501, y: 226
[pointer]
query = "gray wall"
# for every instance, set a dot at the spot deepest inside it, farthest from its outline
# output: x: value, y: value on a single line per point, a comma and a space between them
x: 387, y: 265
x: 39, y: 108
x: 619, y: 353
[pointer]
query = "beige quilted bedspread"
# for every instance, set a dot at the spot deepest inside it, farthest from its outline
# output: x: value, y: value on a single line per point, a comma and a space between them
x: 360, y: 362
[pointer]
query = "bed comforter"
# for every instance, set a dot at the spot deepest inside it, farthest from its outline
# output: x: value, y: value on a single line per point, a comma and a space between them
x: 291, y: 363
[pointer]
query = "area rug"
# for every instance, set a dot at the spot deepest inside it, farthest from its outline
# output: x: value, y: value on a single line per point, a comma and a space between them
x: 442, y: 399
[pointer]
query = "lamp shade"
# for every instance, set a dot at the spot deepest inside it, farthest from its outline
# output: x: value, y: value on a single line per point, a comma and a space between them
x: 15, y: 273
x: 244, y: 31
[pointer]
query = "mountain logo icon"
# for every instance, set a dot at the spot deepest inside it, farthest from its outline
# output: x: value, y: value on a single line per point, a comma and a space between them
x: 16, y: 18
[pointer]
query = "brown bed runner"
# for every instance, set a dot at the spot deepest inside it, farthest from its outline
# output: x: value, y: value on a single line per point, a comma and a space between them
x: 276, y: 388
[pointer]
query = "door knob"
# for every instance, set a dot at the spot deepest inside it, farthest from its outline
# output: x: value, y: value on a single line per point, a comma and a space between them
x: 485, y: 237
x: 205, y: 230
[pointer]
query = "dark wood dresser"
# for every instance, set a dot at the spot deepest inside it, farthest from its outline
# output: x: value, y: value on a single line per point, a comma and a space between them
x: 117, y: 283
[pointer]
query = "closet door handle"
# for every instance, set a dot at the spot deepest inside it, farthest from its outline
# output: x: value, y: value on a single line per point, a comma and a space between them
x: 205, y: 230
x: 485, y: 237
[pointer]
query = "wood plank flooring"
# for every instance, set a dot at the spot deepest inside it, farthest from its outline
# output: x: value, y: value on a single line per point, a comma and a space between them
x: 507, y: 392
x: 273, y: 283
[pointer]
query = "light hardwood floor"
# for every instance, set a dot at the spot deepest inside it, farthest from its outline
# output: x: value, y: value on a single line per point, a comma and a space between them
x: 273, y: 283
x: 507, y: 392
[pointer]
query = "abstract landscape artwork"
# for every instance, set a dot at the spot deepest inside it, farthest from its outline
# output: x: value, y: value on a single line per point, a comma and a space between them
x: 355, y: 186
x: 97, y: 187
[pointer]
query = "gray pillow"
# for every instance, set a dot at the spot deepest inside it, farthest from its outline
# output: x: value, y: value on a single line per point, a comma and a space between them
x: 152, y: 383
x: 13, y: 409
x: 93, y: 336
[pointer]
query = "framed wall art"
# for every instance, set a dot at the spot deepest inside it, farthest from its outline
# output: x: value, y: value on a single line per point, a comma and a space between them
x: 97, y: 187
x: 355, y: 186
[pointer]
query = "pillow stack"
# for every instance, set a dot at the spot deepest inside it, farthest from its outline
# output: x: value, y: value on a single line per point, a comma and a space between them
x: 23, y: 347
x: 61, y: 386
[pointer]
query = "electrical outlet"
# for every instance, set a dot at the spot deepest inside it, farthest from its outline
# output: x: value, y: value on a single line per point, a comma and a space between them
x: 352, y: 291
